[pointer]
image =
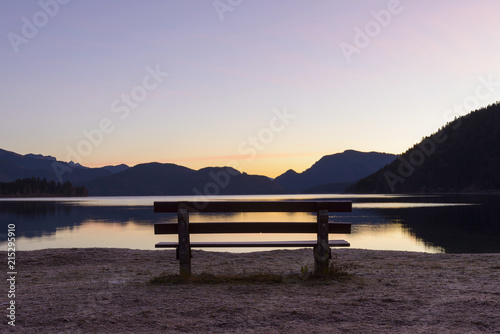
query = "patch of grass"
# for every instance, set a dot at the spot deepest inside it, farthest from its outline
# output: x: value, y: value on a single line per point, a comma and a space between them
x: 341, y: 272
x: 336, y: 273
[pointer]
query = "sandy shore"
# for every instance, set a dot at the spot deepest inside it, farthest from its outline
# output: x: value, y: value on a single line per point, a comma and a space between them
x: 103, y: 290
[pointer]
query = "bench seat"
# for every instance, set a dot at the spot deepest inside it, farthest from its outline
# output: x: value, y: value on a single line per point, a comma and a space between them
x: 285, y: 243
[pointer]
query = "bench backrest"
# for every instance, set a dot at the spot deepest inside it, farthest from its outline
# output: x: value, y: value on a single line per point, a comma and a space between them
x: 253, y: 206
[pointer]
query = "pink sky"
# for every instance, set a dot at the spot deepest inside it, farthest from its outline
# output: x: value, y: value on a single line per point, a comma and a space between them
x: 226, y: 78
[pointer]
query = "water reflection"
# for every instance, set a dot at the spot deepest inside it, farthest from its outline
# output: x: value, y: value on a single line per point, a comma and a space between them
x: 453, y: 224
x: 394, y: 236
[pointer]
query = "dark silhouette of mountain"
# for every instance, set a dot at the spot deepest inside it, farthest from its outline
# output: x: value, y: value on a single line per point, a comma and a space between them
x: 15, y: 166
x: 116, y: 169
x: 40, y: 156
x: 332, y: 171
x: 463, y: 156
x: 330, y: 174
x: 170, y: 179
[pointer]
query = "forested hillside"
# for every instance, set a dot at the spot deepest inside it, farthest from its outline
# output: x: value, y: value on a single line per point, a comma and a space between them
x: 36, y: 187
x: 463, y: 156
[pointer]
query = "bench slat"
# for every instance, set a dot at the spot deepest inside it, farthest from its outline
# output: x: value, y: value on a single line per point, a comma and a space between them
x: 255, y: 206
x: 258, y: 227
x: 305, y: 243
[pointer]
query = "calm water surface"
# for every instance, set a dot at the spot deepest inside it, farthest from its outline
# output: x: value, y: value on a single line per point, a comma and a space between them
x: 451, y: 224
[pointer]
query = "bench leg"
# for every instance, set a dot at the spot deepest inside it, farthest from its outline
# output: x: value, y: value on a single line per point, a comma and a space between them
x: 322, y: 252
x: 184, y: 249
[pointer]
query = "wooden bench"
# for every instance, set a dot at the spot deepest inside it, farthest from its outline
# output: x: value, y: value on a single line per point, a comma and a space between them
x: 322, y: 227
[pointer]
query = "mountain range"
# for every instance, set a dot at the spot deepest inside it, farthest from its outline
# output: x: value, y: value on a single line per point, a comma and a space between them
x: 462, y: 156
x: 330, y: 173
x: 15, y: 166
x: 334, y: 172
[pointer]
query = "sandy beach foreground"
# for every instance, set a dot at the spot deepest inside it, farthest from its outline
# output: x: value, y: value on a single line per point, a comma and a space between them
x: 100, y: 290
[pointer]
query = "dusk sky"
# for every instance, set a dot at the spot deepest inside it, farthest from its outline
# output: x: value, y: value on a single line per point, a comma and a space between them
x: 259, y: 85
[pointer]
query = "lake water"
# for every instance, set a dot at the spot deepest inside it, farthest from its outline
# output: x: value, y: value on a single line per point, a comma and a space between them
x: 451, y: 224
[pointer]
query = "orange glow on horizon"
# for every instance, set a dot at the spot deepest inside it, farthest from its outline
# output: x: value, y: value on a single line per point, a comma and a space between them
x: 270, y: 165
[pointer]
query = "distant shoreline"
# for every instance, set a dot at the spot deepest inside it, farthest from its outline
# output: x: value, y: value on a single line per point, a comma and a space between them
x: 482, y: 192
x: 42, y: 196
x: 491, y: 192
